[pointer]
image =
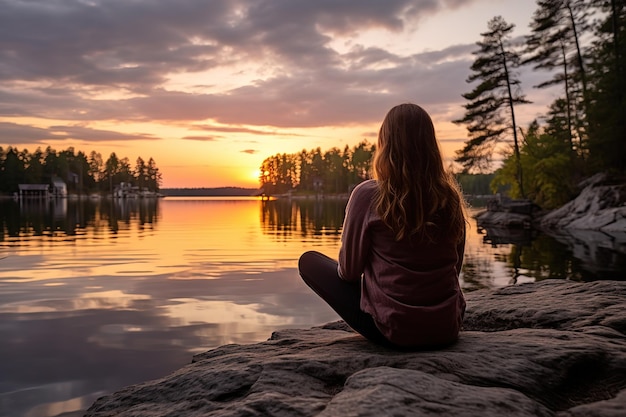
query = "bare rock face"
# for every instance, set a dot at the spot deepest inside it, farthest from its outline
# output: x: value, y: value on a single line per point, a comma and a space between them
x: 600, y: 206
x: 593, y: 225
x: 553, y: 348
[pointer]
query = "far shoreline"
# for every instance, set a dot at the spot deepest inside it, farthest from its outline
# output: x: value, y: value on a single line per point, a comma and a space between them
x: 210, y: 192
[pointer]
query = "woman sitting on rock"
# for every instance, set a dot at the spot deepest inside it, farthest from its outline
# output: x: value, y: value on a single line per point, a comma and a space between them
x: 402, y: 244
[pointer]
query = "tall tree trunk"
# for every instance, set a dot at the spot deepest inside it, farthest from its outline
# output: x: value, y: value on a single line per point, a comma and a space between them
x: 518, y: 162
x: 581, y: 127
x: 615, y: 22
x: 567, y: 98
x: 579, y: 56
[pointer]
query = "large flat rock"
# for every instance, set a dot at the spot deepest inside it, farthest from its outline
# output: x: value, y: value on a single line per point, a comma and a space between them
x: 553, y: 348
x: 600, y: 206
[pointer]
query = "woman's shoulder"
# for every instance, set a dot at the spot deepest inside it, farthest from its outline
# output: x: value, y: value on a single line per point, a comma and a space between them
x: 366, y: 187
x: 363, y: 194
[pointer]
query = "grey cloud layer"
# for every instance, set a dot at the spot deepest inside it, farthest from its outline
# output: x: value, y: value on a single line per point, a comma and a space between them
x: 56, y: 56
x: 28, y: 134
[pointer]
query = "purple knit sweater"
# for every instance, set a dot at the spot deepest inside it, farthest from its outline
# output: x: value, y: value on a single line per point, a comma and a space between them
x: 411, y: 286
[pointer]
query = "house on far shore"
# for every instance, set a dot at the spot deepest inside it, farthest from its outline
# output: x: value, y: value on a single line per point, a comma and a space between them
x: 33, y: 191
x: 125, y: 190
x: 57, y: 188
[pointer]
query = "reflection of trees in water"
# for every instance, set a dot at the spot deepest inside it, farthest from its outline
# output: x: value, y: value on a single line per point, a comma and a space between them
x: 39, y: 217
x: 537, y: 256
x: 117, y: 212
x: 517, y: 239
x: 599, y: 255
x: 545, y: 258
x: 478, y: 272
x: 306, y: 217
x: 504, y: 257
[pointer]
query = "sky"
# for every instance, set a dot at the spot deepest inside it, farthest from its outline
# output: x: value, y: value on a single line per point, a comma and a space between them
x: 210, y: 88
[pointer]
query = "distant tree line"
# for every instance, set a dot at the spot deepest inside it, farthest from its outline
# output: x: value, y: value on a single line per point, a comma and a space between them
x: 317, y: 171
x: 210, y: 192
x: 582, y: 43
x: 81, y: 172
x: 336, y: 171
x: 476, y: 185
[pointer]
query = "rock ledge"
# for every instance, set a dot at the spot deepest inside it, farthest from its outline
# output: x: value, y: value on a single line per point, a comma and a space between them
x: 601, y: 206
x: 553, y: 348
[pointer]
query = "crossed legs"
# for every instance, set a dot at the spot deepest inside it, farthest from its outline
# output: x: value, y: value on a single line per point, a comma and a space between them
x: 319, y: 272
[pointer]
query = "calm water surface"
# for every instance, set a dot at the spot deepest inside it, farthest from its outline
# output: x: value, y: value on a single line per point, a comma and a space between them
x: 97, y: 295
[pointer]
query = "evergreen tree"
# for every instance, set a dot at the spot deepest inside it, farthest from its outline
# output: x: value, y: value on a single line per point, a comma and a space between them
x: 554, y: 44
x: 51, y: 168
x: 361, y: 161
x: 305, y: 179
x: 607, y: 112
x: 155, y: 177
x: 278, y: 174
x: 124, y: 172
x: 65, y: 164
x: 334, y: 177
x: 13, y: 169
x: 317, y: 169
x: 81, y: 169
x: 498, y: 89
x: 111, y: 168
x: 35, y: 167
x: 96, y: 167
x: 141, y: 173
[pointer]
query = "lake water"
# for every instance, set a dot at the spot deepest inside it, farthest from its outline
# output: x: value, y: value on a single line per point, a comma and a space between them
x: 97, y: 295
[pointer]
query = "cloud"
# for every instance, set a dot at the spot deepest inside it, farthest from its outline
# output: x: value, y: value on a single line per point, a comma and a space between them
x: 201, y: 138
x: 320, y: 97
x: 135, y: 44
x: 113, y: 60
x: 22, y: 134
x: 250, y: 151
x: 238, y: 129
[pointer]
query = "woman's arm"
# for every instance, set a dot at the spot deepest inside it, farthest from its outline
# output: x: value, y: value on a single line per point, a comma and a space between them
x: 355, y: 243
x: 460, y: 251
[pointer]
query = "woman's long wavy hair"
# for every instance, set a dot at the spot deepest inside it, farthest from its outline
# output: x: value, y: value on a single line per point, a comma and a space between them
x: 415, y: 193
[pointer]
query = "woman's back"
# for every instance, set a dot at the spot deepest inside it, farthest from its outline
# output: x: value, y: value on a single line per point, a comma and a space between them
x: 404, y: 281
x: 402, y: 242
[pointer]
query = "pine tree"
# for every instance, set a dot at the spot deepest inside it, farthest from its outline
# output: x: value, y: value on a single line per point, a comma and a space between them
x: 498, y: 89
x: 554, y: 45
x: 154, y: 176
x: 607, y: 113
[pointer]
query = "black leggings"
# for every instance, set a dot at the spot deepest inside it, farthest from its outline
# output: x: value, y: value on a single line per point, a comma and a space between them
x: 319, y: 272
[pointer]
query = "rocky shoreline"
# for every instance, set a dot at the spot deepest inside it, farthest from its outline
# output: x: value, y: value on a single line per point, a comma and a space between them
x: 600, y: 206
x: 551, y: 348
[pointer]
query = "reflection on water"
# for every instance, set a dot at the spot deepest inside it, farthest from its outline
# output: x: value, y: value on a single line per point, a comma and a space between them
x: 119, y: 292
x: 97, y: 295
x: 38, y: 217
x: 303, y: 218
x: 573, y: 255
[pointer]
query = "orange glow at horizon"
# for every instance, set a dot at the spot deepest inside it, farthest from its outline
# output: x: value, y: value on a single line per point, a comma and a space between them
x: 226, y: 161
